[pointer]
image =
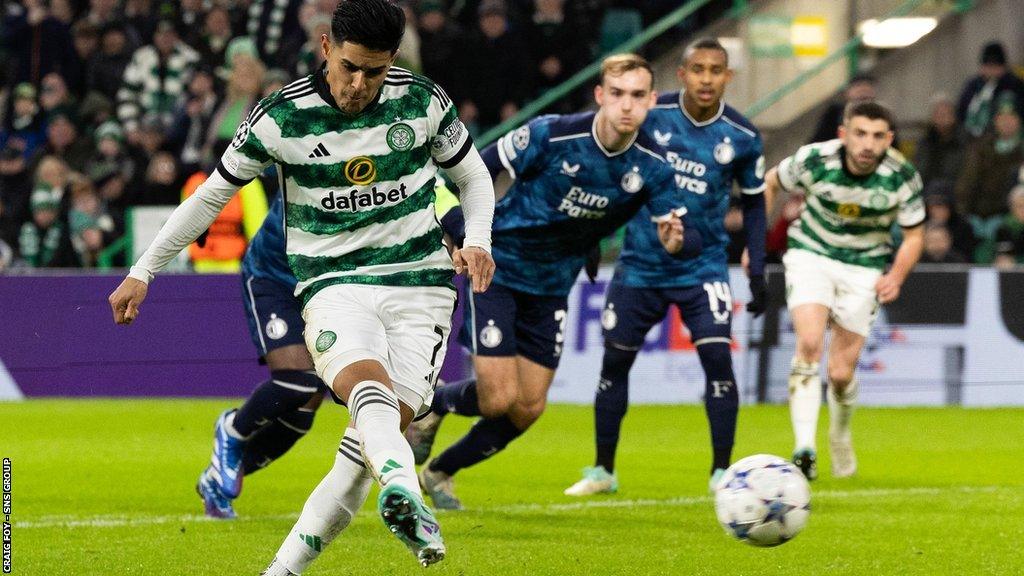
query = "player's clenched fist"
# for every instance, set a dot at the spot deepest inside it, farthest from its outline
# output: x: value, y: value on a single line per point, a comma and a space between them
x: 477, y: 264
x: 125, y: 301
x: 670, y: 232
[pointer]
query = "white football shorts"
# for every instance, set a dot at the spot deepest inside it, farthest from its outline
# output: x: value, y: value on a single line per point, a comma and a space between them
x: 405, y: 328
x: 847, y: 290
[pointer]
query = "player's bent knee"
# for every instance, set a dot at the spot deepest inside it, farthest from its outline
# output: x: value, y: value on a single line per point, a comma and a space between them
x: 840, y: 377
x: 808, y: 350
x: 495, y: 403
x: 526, y: 413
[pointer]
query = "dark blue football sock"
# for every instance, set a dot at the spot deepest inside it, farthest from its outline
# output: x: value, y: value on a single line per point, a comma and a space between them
x: 611, y: 403
x: 286, y: 391
x: 485, y: 439
x: 275, y: 439
x: 456, y: 398
x: 721, y: 399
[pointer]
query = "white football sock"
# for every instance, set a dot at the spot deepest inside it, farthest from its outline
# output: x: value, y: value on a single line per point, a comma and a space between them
x: 328, y: 510
x: 840, y: 411
x: 804, y: 402
x: 374, y: 409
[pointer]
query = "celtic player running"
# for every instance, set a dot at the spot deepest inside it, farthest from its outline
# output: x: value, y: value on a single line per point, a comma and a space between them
x: 357, y: 144
x: 856, y: 188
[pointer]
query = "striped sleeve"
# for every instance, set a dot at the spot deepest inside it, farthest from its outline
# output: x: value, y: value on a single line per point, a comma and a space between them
x: 793, y: 169
x: 911, y: 208
x: 248, y: 154
x: 449, y: 139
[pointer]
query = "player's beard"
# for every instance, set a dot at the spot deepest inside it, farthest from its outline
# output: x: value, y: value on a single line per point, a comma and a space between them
x: 865, y: 162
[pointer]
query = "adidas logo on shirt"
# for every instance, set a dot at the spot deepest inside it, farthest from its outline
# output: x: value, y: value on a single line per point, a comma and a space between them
x: 319, y: 152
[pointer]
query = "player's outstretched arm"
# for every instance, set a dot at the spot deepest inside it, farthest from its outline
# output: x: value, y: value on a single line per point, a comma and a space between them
x: 477, y: 199
x: 889, y: 284
x: 185, y: 224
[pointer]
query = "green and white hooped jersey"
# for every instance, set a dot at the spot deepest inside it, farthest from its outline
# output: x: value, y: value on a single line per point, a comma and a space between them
x: 359, y: 190
x: 846, y: 217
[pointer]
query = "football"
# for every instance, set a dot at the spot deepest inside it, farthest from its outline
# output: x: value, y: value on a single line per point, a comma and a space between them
x: 763, y: 500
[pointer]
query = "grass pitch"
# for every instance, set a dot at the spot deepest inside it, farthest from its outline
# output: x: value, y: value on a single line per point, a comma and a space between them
x: 106, y: 487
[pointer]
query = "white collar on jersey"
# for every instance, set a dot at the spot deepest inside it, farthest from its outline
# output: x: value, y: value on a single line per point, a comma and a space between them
x: 593, y: 134
x: 721, y: 109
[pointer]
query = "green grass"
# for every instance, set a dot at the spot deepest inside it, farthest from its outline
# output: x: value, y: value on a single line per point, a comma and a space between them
x: 106, y: 487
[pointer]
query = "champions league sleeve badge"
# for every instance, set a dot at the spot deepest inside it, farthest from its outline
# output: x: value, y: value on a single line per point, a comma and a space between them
x: 632, y: 181
x: 724, y: 152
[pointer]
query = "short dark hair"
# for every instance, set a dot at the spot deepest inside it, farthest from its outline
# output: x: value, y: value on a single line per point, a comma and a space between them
x: 373, y: 24
x: 871, y: 110
x: 705, y: 44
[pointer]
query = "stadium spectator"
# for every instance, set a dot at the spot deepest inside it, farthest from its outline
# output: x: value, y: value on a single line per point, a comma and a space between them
x: 90, y: 227
x: 154, y: 79
x: 107, y: 70
x: 192, y: 22
x: 36, y: 42
x: 274, y: 27
x: 1010, y: 234
x: 63, y: 11
x: 110, y: 168
x: 62, y: 139
x: 43, y: 240
x: 24, y: 124
x: 187, y: 137
x: 244, y: 87
x: 54, y: 94
x: 162, y: 184
x: 86, y: 40
x: 500, y: 73
x: 938, y: 246
x: 102, y: 12
x: 15, y: 187
x: 860, y: 87
x: 311, y: 56
x: 981, y: 94
x: 141, y: 21
x: 940, y: 153
x: 558, y: 49
x: 442, y: 50
x: 940, y: 206
x: 216, y: 36
x: 409, y: 56
x: 991, y: 168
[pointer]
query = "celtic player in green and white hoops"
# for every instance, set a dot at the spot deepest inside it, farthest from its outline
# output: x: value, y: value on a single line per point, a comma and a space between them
x: 357, y: 146
x: 856, y: 187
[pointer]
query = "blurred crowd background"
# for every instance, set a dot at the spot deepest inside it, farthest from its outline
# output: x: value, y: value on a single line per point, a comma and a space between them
x: 111, y: 104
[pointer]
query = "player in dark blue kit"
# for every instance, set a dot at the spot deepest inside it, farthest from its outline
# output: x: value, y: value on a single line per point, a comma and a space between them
x: 710, y: 145
x: 576, y: 179
x: 280, y: 411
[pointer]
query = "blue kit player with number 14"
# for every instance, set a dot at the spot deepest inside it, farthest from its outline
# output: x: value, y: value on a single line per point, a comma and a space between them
x: 710, y: 145
x: 576, y: 179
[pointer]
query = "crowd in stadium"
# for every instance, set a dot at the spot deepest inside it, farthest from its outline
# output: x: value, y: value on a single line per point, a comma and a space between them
x: 110, y: 104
